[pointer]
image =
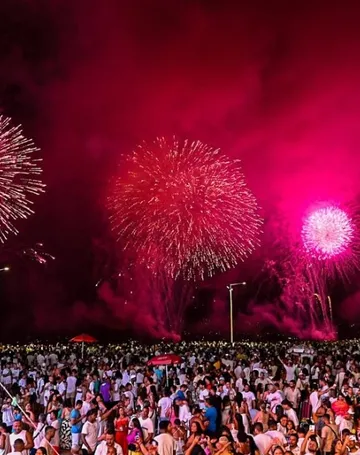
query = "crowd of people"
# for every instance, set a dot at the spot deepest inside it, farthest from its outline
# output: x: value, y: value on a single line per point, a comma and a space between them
x: 219, y: 399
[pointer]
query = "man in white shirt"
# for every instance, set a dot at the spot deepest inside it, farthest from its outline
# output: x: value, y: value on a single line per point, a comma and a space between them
x: 262, y: 440
x: 62, y: 388
x: 6, y: 376
x: 104, y: 446
x: 53, y: 358
x: 71, y: 386
x: 89, y: 433
x: 274, y: 398
x: 7, y: 413
x: 19, y: 433
x: 166, y: 443
x: 274, y: 433
x: 315, y: 401
x: 238, y: 371
x: 290, y: 413
x: 40, y: 359
x: 139, y: 376
x: 203, y: 394
x: 239, y: 385
x: 262, y: 380
x: 290, y: 370
x: 249, y: 397
x: 146, y: 425
x: 293, y: 394
x: 164, y: 406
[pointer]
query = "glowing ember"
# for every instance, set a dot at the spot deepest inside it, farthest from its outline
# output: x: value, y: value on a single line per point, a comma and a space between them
x: 184, y: 208
x: 327, y: 232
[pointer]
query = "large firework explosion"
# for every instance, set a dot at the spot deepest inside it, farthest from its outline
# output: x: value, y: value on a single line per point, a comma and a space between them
x: 330, y: 240
x: 327, y: 233
x: 19, y: 173
x: 184, y: 208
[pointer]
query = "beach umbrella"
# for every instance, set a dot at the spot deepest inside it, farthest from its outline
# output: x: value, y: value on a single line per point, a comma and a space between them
x: 166, y: 360
x: 83, y: 338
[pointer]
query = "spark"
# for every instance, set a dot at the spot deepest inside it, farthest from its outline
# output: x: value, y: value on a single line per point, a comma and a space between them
x: 38, y: 254
x: 185, y: 208
x: 327, y: 233
x: 19, y: 176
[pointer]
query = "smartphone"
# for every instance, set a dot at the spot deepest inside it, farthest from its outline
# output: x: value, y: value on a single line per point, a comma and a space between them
x: 311, y: 427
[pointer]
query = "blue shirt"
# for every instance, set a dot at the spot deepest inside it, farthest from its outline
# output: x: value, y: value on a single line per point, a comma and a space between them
x: 180, y: 395
x: 211, y: 416
x: 158, y: 373
x: 76, y: 429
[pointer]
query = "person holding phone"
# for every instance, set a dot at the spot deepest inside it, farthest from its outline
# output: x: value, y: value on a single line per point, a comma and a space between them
x: 310, y: 444
x: 352, y: 445
x: 150, y: 448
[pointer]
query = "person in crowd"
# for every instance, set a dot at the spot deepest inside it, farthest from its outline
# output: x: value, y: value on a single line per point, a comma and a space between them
x: 220, y: 399
x: 109, y: 446
x: 121, y: 424
x: 18, y: 432
x: 5, y: 447
x: 46, y: 442
x: 165, y: 440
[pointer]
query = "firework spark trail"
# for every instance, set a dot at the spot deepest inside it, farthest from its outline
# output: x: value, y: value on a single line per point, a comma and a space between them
x: 19, y: 173
x: 184, y: 208
x: 304, y: 294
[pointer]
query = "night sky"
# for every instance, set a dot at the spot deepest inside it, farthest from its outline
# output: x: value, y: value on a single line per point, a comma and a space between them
x: 274, y: 83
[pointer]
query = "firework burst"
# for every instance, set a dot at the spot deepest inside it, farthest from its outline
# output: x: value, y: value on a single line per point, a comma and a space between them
x: 327, y: 232
x: 19, y: 173
x: 184, y: 208
x: 330, y: 237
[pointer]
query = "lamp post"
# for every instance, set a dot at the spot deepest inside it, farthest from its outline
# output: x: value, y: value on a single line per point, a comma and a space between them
x: 231, y: 289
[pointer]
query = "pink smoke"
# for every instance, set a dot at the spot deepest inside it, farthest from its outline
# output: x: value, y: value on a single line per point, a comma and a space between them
x: 277, y: 88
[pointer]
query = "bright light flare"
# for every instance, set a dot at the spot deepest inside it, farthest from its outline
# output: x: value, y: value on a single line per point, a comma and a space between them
x: 327, y: 233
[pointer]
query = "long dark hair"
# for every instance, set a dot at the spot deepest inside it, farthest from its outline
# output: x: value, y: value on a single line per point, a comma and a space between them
x: 136, y: 424
x: 242, y: 436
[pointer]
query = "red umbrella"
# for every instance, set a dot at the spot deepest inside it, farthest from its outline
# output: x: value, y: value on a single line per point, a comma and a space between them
x: 83, y: 338
x: 165, y: 359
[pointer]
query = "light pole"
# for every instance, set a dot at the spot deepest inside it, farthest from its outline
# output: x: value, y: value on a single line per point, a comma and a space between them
x: 231, y: 288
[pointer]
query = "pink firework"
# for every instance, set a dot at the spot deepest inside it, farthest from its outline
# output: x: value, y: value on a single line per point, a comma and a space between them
x: 327, y: 233
x: 184, y: 208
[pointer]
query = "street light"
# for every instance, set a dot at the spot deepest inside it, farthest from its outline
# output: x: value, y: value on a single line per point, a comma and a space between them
x: 231, y: 288
x: 5, y: 269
